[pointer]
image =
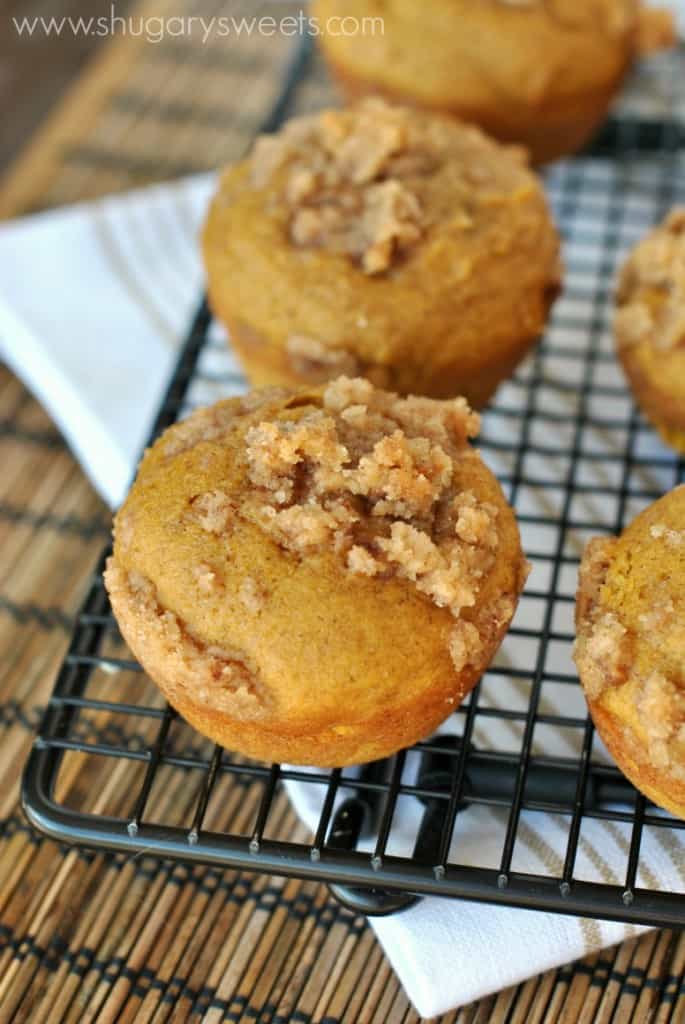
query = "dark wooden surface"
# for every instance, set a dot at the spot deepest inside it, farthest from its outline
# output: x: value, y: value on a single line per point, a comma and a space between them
x: 35, y: 71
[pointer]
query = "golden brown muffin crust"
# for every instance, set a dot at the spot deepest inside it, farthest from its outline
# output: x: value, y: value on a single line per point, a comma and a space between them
x: 562, y: 46
x: 383, y: 242
x: 318, y: 578
x: 538, y: 72
x: 650, y: 325
x: 630, y: 648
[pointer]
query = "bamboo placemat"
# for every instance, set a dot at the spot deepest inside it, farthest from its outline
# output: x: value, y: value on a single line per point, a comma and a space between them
x: 98, y: 937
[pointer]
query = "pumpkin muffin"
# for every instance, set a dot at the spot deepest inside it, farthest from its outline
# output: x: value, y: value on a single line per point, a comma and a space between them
x: 650, y: 326
x: 630, y: 649
x: 384, y: 243
x: 317, y: 577
x: 538, y: 72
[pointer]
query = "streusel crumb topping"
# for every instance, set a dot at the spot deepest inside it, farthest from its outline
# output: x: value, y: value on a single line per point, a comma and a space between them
x: 251, y: 595
x: 214, y: 421
x: 370, y: 475
x: 206, y: 578
x: 351, y: 181
x: 603, y: 656
x: 607, y: 652
x: 195, y: 665
x: 651, y: 292
x: 602, y: 648
x: 214, y: 511
x: 662, y: 711
x: 308, y: 354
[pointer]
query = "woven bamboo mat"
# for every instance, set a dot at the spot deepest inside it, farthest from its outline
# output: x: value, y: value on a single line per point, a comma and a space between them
x: 97, y: 937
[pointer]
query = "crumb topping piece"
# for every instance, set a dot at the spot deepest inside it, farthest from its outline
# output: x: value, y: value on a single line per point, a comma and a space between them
x: 662, y: 711
x: 602, y: 655
x: 651, y: 291
x: 673, y: 538
x: 206, y: 578
x: 308, y: 356
x: 351, y: 181
x: 370, y: 476
x: 602, y: 650
x: 213, y: 510
x: 251, y: 595
x: 464, y: 641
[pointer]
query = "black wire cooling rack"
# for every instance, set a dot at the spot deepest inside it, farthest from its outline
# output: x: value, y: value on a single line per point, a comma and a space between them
x: 575, y: 459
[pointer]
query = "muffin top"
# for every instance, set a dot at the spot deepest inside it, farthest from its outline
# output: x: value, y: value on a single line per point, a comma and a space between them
x: 371, y: 182
x: 650, y: 317
x: 631, y: 628
x: 522, y: 51
x: 367, y: 222
x: 334, y: 536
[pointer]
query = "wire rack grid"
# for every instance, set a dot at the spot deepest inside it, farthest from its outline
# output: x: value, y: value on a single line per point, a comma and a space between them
x: 455, y: 815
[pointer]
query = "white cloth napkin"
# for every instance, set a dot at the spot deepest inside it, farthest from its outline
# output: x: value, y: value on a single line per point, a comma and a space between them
x: 94, y: 300
x: 94, y: 303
